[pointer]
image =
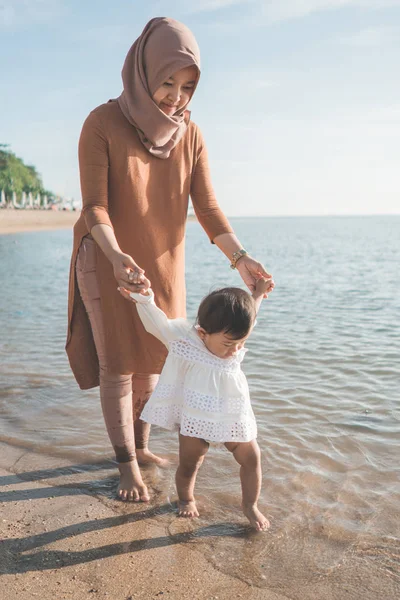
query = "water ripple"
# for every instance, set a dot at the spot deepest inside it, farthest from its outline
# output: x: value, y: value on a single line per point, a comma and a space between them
x: 323, y: 370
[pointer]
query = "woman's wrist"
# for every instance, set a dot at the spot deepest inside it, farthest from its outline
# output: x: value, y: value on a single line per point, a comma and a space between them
x: 114, y: 254
x: 229, y: 244
x: 104, y: 236
x: 236, y: 256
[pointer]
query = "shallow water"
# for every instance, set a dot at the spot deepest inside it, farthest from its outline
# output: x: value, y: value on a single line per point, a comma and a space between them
x: 324, y: 371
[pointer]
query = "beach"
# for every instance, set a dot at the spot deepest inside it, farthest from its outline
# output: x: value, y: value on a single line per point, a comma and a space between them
x: 18, y: 221
x: 323, y: 372
x: 91, y: 547
x: 14, y: 221
x: 61, y: 541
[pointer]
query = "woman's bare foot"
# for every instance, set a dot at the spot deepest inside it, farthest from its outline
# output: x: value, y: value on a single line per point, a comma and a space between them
x: 145, y: 457
x: 187, y: 509
x: 256, y: 518
x: 131, y: 487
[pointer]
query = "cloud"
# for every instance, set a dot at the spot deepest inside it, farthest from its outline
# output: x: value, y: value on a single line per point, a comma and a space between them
x: 371, y: 37
x: 389, y: 114
x: 260, y: 78
x: 110, y: 35
x: 290, y: 9
x: 262, y: 84
x: 197, y: 6
x: 18, y: 13
x: 280, y: 10
x: 210, y: 5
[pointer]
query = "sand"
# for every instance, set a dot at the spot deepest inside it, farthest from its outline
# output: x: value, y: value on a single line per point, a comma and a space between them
x: 14, y: 221
x: 61, y: 539
x: 65, y: 536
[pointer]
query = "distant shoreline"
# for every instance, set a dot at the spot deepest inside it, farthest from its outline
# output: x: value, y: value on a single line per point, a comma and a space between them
x: 19, y: 221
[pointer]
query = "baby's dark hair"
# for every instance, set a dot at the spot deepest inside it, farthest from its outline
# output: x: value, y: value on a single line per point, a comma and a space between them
x: 231, y: 310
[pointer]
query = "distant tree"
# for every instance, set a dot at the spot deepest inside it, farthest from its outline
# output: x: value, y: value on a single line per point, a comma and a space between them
x: 16, y: 176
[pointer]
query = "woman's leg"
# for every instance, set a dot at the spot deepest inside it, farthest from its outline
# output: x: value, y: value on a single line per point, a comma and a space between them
x: 248, y: 455
x: 191, y: 455
x: 116, y: 403
x: 143, y: 385
x: 115, y: 390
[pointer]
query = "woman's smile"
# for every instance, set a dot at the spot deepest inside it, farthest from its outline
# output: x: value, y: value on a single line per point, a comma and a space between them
x: 168, y: 109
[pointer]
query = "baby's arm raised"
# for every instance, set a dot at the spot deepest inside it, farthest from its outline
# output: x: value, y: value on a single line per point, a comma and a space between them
x: 263, y: 287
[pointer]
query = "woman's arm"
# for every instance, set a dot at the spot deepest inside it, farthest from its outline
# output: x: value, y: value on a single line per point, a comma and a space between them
x: 205, y: 204
x: 93, y: 166
x: 214, y: 222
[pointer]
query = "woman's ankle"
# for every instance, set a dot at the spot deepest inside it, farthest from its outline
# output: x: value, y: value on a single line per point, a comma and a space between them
x: 124, y: 454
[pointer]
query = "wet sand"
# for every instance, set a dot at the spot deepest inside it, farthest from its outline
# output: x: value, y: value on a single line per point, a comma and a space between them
x: 65, y: 536
x: 14, y: 221
x: 60, y: 540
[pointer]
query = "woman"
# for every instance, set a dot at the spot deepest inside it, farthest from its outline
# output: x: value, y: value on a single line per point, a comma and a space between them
x: 140, y: 158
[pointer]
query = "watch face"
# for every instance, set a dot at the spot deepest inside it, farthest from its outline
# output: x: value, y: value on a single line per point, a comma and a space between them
x: 235, y: 257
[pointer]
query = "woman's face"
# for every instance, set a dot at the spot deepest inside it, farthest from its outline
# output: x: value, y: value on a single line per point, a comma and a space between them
x: 176, y: 92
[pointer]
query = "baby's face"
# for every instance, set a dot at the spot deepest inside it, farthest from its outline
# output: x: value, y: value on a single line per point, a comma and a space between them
x: 221, y: 344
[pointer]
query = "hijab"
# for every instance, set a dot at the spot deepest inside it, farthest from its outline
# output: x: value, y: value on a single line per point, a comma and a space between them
x: 164, y: 47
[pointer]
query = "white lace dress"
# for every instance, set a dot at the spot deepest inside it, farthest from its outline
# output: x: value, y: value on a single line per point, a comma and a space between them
x: 199, y: 394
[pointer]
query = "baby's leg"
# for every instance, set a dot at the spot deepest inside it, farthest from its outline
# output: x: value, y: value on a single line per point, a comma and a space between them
x: 247, y: 454
x: 191, y: 455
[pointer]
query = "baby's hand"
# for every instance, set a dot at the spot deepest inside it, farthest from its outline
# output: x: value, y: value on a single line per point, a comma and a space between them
x: 126, y: 293
x: 264, y: 286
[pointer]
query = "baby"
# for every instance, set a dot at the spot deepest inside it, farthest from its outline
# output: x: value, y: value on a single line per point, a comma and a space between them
x: 202, y: 391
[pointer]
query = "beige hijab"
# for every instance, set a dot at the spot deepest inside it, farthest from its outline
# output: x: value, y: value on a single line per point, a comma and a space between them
x: 164, y: 47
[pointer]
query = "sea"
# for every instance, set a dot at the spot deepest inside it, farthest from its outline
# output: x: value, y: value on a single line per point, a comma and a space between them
x: 323, y: 368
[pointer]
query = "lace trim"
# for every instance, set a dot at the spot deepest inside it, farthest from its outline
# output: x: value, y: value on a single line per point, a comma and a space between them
x: 168, y: 417
x: 219, y: 432
x: 171, y: 417
x: 172, y: 406
x: 206, y: 403
x: 186, y: 350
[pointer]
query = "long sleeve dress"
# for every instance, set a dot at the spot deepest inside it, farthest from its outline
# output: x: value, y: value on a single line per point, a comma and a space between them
x: 144, y: 200
x: 198, y: 393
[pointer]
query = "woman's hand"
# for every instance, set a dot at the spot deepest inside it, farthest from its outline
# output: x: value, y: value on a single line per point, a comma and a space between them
x: 128, y: 274
x: 251, y: 271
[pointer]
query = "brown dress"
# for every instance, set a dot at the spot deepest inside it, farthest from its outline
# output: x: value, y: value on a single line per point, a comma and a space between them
x: 145, y: 200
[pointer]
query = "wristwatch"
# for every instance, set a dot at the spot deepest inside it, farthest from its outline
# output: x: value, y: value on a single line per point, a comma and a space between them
x: 236, y: 256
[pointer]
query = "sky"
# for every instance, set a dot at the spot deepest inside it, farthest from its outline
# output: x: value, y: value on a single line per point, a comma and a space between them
x: 298, y: 101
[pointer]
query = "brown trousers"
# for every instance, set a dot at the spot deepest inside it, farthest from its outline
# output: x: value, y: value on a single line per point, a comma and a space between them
x: 122, y: 396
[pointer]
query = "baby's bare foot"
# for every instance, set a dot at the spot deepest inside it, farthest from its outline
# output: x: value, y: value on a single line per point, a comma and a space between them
x: 187, y: 509
x: 131, y: 487
x: 146, y: 457
x: 256, y: 518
